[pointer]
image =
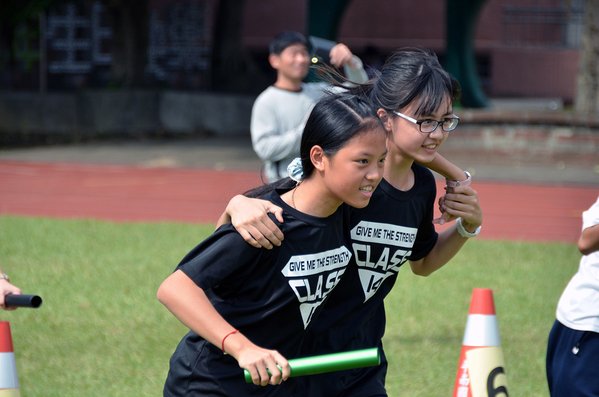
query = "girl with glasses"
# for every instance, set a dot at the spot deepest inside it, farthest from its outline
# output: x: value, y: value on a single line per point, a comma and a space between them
x: 413, y: 97
x: 249, y: 307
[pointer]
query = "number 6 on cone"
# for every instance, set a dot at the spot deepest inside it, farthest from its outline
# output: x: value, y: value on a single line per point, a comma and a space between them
x: 481, y: 371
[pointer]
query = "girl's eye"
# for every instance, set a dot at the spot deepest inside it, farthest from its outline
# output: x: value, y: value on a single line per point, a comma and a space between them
x: 428, y: 122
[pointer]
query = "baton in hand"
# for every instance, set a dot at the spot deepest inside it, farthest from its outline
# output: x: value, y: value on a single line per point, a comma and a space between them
x: 330, y: 362
x: 33, y: 301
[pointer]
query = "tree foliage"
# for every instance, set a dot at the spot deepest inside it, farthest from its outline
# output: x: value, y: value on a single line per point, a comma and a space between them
x: 14, y: 13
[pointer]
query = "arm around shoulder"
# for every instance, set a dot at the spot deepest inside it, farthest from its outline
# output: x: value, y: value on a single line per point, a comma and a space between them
x: 446, y: 168
x: 250, y: 218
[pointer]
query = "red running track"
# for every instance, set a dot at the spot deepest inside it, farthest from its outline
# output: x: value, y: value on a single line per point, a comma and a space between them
x: 133, y: 194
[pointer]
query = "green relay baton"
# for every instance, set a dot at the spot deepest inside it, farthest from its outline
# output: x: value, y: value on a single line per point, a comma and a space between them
x: 330, y: 362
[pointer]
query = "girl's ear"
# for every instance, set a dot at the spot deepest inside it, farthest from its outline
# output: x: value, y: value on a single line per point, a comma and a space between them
x: 317, y: 157
x: 385, y: 119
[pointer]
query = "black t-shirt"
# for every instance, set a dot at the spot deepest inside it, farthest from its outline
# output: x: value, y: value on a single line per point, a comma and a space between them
x: 271, y: 296
x: 394, y: 227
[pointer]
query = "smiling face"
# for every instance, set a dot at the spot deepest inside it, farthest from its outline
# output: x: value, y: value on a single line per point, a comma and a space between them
x: 352, y: 174
x: 406, y: 138
x: 292, y: 63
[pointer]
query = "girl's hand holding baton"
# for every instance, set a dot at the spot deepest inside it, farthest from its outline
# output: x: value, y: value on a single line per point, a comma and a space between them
x: 265, y: 366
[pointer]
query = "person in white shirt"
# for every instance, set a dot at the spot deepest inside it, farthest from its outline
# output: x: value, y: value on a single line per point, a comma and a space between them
x: 280, y: 112
x: 573, y: 347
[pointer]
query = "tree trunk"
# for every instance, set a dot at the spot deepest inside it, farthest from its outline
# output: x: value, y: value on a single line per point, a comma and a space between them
x: 587, y: 96
x: 129, y: 23
x: 233, y: 70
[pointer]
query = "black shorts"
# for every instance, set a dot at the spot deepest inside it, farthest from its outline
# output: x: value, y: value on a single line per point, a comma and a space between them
x: 572, y: 362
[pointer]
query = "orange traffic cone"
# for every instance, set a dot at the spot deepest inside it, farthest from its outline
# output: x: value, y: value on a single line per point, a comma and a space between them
x: 9, y: 383
x: 481, y: 371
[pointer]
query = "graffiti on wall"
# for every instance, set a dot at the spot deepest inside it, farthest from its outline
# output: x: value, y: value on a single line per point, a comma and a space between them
x: 179, y: 48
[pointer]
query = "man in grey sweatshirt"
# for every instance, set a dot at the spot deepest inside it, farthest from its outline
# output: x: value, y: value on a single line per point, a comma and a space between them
x: 280, y: 112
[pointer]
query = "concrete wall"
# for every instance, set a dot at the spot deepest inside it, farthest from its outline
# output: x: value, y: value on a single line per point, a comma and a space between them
x: 95, y: 113
x: 536, y: 72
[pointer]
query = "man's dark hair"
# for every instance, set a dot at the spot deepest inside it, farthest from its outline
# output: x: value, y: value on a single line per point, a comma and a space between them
x: 285, y: 39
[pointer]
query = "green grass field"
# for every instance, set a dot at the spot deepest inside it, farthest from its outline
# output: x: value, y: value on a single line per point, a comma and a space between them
x: 101, y: 331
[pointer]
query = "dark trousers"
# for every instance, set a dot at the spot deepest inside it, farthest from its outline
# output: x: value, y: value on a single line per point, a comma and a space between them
x: 572, y: 362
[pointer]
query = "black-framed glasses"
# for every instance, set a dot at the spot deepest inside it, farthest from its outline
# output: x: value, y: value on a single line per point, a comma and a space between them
x: 429, y: 125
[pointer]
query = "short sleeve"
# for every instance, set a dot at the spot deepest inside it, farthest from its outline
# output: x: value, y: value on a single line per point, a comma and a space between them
x: 222, y: 256
x: 591, y: 216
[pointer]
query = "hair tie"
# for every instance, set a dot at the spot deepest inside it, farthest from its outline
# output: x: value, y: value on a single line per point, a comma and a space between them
x: 295, y: 170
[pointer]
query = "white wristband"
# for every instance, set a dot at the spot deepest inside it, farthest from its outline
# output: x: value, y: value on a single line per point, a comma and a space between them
x: 465, y: 233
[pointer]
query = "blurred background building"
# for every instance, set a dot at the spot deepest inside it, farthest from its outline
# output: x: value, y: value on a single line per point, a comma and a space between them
x: 521, y: 48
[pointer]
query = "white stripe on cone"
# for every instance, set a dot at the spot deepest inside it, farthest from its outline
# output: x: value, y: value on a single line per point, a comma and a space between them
x: 8, y: 371
x: 481, y: 330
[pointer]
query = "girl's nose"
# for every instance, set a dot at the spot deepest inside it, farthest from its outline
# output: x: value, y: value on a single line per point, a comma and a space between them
x: 374, y: 173
x: 437, y: 133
